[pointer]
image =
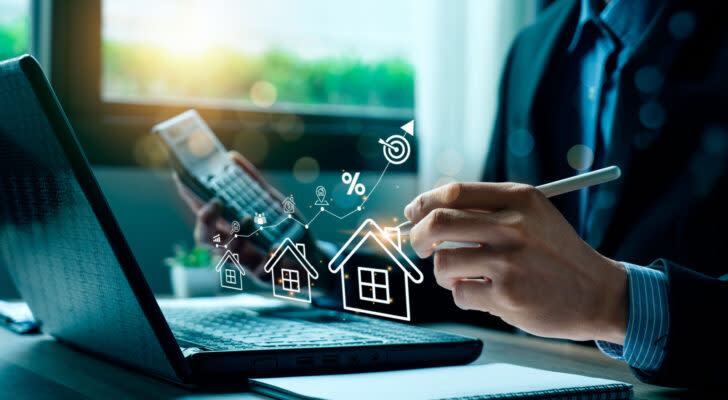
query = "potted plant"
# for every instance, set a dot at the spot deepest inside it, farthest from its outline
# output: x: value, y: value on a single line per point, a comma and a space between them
x: 191, y: 272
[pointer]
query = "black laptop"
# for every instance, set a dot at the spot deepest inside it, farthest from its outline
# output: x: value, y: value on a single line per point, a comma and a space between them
x: 72, y: 265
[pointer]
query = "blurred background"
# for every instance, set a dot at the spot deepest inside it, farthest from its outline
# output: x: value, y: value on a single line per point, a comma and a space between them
x: 304, y: 89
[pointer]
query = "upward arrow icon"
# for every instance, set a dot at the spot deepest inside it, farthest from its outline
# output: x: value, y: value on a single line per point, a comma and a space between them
x: 409, y: 127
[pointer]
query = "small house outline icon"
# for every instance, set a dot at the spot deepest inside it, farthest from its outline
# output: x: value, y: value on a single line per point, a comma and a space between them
x: 289, y: 205
x: 366, y: 303
x: 290, y: 271
x: 230, y: 270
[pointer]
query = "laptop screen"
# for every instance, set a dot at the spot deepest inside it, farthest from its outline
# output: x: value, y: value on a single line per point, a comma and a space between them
x: 51, y: 236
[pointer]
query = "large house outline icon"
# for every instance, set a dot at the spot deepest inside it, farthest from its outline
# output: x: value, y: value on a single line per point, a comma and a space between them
x: 287, y: 273
x: 373, y: 303
x: 230, y: 270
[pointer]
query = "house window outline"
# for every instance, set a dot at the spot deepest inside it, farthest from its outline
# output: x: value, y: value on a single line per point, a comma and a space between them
x: 287, y: 282
x: 371, y: 283
x: 229, y: 261
x: 371, y: 234
x: 231, y: 276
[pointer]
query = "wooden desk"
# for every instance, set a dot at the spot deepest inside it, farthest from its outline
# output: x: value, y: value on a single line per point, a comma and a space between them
x: 39, y: 367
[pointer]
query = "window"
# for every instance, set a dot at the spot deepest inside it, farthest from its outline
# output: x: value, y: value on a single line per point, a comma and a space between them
x: 274, y: 79
x: 14, y: 28
x: 290, y: 280
x: 231, y: 276
x: 316, y: 55
x: 374, y: 285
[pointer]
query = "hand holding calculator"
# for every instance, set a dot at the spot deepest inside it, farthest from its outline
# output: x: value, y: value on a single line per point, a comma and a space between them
x: 206, y: 170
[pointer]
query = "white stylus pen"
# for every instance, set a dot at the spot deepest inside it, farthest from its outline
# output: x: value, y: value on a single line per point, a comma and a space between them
x: 567, y: 185
x: 581, y: 181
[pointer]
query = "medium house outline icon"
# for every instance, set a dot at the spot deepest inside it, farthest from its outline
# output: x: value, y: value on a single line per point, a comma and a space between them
x: 230, y: 270
x: 287, y: 273
x: 371, y: 286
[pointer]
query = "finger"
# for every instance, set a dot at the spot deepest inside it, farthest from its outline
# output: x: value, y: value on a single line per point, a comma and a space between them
x: 245, y: 164
x: 191, y: 199
x: 451, y: 225
x: 248, y: 167
x: 206, y: 221
x: 452, y: 265
x: 484, y: 196
x: 473, y: 294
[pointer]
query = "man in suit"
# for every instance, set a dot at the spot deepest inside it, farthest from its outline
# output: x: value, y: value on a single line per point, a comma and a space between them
x: 634, y: 264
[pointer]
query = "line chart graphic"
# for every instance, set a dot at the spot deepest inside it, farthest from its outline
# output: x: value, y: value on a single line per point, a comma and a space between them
x: 308, y: 223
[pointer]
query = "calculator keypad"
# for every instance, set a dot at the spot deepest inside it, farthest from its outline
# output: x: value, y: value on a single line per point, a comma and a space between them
x: 243, y: 194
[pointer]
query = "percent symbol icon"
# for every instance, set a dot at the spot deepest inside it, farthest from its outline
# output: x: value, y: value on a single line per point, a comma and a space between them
x: 352, y: 181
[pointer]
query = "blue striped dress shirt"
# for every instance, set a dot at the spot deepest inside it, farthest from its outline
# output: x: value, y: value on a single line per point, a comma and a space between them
x: 648, y: 323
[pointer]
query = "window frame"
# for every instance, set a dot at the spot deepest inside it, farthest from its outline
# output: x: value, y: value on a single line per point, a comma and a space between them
x: 231, y: 275
x: 373, y: 285
x: 76, y: 76
x: 290, y: 280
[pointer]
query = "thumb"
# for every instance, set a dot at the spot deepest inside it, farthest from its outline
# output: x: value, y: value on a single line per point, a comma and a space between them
x: 210, y: 212
x: 207, y: 217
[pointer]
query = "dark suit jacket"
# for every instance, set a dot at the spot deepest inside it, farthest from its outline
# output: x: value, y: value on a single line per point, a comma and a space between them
x: 670, y: 208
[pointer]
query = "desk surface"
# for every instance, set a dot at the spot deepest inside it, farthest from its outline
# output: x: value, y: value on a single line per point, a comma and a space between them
x: 43, y: 368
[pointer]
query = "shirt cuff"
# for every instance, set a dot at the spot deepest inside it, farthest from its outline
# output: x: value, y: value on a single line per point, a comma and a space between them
x: 648, y: 323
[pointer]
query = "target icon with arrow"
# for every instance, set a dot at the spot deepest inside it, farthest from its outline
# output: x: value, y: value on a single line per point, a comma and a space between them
x: 397, y: 148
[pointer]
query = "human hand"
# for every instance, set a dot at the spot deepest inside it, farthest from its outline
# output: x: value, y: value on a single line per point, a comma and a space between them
x: 209, y: 221
x: 531, y: 267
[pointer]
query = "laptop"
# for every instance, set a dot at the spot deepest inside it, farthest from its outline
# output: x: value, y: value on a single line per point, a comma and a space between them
x: 71, y: 263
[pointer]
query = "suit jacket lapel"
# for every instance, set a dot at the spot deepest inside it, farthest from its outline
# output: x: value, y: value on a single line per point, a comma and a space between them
x: 548, y: 33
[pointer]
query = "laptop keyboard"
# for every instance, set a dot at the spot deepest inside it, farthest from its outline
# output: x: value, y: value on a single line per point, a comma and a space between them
x: 236, y: 329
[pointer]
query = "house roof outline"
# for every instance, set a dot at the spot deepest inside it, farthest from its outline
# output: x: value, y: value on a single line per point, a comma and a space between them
x: 288, y: 245
x: 387, y: 245
x: 231, y: 257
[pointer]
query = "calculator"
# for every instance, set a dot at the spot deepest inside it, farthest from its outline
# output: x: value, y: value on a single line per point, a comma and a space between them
x: 203, y: 165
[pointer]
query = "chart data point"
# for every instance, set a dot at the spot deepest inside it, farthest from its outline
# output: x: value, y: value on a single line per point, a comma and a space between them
x: 306, y: 226
x: 358, y: 208
x: 322, y: 208
x: 289, y: 216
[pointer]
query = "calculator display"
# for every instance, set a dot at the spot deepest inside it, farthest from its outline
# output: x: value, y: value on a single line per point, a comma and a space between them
x: 195, y: 148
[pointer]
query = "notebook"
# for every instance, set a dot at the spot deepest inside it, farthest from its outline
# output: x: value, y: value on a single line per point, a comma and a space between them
x: 485, y: 381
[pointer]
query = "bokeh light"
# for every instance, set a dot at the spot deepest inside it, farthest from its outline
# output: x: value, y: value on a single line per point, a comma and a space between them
x: 715, y: 141
x: 290, y: 127
x: 449, y: 162
x: 148, y: 152
x: 199, y: 144
x: 520, y: 143
x: 306, y: 169
x: 580, y: 157
x: 652, y: 115
x: 263, y: 94
x: 681, y: 24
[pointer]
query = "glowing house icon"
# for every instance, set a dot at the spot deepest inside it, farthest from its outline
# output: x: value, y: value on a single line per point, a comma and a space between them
x: 379, y: 285
x: 230, y: 270
x: 290, y: 272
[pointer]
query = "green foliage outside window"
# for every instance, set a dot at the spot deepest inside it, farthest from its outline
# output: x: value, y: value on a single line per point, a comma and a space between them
x: 13, y: 37
x: 133, y: 70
